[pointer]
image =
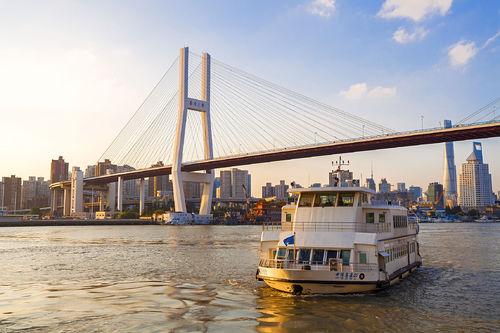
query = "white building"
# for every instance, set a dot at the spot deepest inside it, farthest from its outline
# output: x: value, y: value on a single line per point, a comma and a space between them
x: 225, y: 184
x: 76, y: 191
x: 475, y: 181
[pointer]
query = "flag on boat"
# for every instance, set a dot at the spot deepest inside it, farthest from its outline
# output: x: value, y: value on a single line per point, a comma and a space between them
x: 289, y: 240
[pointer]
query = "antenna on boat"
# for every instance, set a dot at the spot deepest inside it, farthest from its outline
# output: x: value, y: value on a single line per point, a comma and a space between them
x: 340, y: 163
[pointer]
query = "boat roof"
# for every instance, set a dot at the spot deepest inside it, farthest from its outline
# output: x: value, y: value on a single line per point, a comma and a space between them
x: 330, y: 189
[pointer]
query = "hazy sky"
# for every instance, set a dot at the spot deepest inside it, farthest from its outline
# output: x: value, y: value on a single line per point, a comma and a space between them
x: 73, y: 72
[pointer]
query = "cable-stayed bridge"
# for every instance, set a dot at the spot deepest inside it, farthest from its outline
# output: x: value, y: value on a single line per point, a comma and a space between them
x: 204, y: 114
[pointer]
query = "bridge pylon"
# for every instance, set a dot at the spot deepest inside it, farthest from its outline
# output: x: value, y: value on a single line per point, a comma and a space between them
x: 202, y: 105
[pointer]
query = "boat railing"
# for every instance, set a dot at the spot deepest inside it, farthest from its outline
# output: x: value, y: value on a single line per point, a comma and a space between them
x: 328, y: 226
x: 332, y: 265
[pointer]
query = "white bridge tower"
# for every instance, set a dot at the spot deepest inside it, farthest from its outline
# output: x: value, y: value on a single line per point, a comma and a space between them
x: 203, y: 106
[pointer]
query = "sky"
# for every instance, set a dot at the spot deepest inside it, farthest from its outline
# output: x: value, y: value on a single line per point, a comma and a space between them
x: 73, y: 72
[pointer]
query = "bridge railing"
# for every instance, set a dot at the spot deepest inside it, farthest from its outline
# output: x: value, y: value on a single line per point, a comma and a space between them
x: 328, y: 226
x: 331, y: 265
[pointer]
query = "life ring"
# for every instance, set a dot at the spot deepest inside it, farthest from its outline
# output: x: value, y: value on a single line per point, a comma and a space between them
x: 361, y: 276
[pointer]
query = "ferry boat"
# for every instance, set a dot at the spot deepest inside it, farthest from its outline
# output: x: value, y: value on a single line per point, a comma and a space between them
x: 334, y: 240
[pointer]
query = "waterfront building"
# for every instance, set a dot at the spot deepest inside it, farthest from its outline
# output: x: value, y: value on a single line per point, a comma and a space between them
x: 35, y: 192
x: 159, y: 184
x: 1, y: 196
x: 216, y: 186
x: 103, y: 167
x: 280, y: 191
x: 268, y: 190
x: 59, y: 170
x: 225, y: 184
x: 401, y: 187
x: 370, y: 183
x: 384, y: 186
x: 234, y: 184
x: 76, y: 202
x: 435, y: 195
x: 475, y: 181
x: 449, y: 172
x: 416, y: 192
x: 90, y: 171
x: 192, y: 190
x: 239, y: 184
x: 11, y: 198
x: 341, y: 176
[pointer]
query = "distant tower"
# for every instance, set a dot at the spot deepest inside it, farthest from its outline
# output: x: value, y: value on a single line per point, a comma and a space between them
x: 449, y: 172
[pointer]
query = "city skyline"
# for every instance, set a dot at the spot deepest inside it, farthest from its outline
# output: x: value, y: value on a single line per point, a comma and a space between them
x: 105, y: 73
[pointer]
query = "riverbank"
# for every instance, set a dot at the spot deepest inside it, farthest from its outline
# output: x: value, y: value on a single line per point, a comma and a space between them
x: 62, y: 222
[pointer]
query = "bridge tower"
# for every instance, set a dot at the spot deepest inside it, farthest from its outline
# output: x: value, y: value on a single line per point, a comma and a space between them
x: 202, y: 106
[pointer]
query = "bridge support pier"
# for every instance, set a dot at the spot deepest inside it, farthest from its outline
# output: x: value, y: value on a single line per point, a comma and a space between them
x: 119, y: 194
x: 67, y: 201
x: 141, y: 196
x: 111, y: 197
x: 53, y: 202
x: 203, y: 106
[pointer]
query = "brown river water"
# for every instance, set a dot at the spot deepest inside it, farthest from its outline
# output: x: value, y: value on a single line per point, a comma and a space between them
x: 202, y: 278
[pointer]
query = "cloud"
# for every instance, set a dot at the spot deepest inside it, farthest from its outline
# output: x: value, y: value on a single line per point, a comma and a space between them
x: 360, y: 90
x: 322, y: 8
x: 402, y: 36
x: 491, y: 40
x: 415, y: 10
x: 461, y: 53
x: 382, y: 92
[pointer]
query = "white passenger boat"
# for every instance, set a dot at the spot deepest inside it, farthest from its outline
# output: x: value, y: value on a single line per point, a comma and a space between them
x: 334, y: 240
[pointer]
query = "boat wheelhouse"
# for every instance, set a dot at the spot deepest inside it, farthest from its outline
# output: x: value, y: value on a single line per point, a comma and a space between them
x: 335, y: 240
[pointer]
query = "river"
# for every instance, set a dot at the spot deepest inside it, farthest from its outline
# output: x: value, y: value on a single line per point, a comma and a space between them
x: 202, y: 278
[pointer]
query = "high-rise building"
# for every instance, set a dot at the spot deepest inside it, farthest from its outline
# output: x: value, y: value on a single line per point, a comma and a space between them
x: 225, y: 184
x: 339, y: 177
x: 58, y: 170
x: 234, y: 184
x: 370, y: 183
x: 449, y: 172
x: 76, y: 202
x: 103, y: 167
x: 35, y: 192
x: 239, y: 184
x: 384, y: 186
x: 11, y: 193
x: 280, y: 191
x: 475, y: 181
x: 90, y: 171
x: 416, y: 192
x: 159, y: 185
x: 1, y: 196
x: 435, y: 195
x: 401, y: 187
x: 268, y: 190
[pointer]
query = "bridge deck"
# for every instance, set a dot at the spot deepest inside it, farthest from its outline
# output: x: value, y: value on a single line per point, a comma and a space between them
x: 405, y: 139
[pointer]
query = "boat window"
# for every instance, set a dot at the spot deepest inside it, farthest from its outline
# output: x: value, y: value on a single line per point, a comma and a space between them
x: 346, y: 256
x: 362, y: 257
x: 370, y: 217
x: 272, y: 253
x: 281, y: 253
x: 325, y: 199
x: 364, y: 198
x: 306, y: 199
x: 346, y: 199
x: 291, y: 254
x: 381, y: 218
x: 331, y: 254
x: 318, y: 255
x: 304, y: 255
x: 288, y: 217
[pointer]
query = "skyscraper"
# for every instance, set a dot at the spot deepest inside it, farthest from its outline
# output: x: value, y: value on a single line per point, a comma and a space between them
x: 11, y: 192
x: 384, y: 186
x: 435, y: 195
x: 475, y: 181
x: 449, y: 172
x: 35, y: 193
x: 58, y: 170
